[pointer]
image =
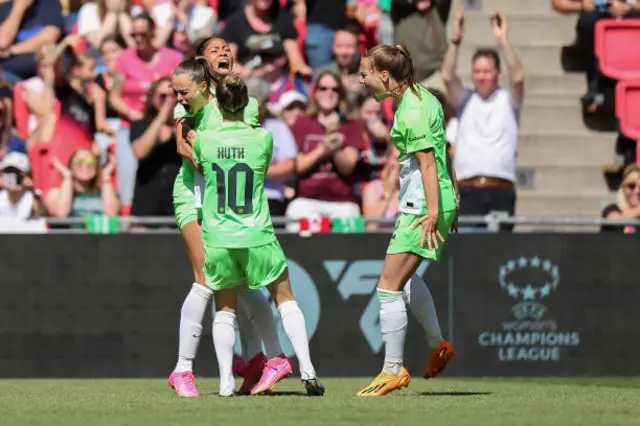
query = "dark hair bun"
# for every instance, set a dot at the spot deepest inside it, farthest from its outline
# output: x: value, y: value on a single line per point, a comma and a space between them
x: 233, y: 81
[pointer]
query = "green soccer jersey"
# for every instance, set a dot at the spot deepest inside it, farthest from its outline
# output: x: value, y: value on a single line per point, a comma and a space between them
x: 209, y: 118
x: 418, y: 126
x: 235, y: 158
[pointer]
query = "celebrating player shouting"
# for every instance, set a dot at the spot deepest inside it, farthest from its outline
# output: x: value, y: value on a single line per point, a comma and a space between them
x: 428, y: 200
x: 193, y: 81
x: 239, y: 240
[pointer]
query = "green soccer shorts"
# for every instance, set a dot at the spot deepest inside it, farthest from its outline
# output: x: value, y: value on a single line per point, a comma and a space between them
x: 407, y: 240
x: 184, y: 203
x: 226, y: 268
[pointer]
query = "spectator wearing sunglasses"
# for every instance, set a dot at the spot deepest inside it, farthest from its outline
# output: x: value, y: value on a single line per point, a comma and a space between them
x: 18, y: 199
x: 138, y: 67
x: 328, y: 145
x: 627, y: 205
x: 86, y: 189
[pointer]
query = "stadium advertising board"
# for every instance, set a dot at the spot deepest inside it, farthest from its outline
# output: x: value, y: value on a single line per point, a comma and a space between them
x: 513, y: 305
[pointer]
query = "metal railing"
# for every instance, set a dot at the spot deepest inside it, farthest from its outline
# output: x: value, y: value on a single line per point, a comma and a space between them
x: 492, y: 222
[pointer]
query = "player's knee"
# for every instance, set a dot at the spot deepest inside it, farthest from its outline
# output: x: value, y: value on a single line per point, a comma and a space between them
x: 389, y: 282
x: 280, y: 290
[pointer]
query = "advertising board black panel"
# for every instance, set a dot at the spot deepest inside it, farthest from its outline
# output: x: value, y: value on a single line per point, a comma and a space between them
x: 109, y: 306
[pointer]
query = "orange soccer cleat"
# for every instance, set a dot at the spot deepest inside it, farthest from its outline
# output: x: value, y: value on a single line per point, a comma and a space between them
x: 385, y: 383
x: 439, y: 359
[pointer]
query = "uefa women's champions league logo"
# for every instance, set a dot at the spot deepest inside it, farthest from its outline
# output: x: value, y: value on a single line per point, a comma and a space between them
x: 528, y: 291
x: 529, y: 336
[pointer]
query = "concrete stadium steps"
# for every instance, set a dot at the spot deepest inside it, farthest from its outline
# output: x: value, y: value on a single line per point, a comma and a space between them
x: 523, y: 28
x: 580, y: 178
x: 555, y: 115
x: 561, y: 202
x: 566, y: 150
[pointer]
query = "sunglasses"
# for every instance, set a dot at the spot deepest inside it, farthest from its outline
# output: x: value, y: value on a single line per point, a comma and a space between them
x: 84, y: 161
x: 326, y: 88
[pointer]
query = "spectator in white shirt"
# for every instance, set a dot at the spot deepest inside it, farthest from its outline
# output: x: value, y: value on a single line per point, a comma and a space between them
x: 18, y: 199
x: 486, y: 144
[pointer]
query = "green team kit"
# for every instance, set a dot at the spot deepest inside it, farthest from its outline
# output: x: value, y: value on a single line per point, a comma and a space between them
x: 239, y: 241
x: 189, y: 184
x: 419, y: 125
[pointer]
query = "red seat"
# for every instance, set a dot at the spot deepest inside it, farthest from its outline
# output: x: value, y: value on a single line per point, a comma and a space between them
x: 628, y: 107
x: 616, y: 47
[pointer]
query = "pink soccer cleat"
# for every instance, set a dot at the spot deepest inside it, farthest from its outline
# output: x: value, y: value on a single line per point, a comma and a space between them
x: 274, y: 370
x: 252, y: 373
x: 183, y: 384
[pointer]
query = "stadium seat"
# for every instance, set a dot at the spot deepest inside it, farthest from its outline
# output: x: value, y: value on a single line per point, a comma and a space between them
x: 627, y: 107
x: 615, y: 40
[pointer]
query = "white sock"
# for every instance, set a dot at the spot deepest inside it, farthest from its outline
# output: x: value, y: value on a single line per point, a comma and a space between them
x: 393, y: 324
x: 224, y: 337
x: 420, y: 301
x: 295, y: 327
x: 251, y: 343
x: 257, y: 304
x: 191, y: 325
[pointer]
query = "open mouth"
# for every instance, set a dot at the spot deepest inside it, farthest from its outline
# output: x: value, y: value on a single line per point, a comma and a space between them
x: 223, y: 64
x: 186, y: 106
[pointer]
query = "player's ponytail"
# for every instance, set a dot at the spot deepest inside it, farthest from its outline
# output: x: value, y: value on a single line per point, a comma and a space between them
x: 198, y: 69
x: 232, y: 93
x: 396, y: 60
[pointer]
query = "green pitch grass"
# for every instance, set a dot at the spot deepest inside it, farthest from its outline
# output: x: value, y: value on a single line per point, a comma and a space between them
x: 442, y: 402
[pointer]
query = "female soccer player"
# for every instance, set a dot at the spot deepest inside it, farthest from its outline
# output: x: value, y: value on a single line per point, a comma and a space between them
x: 239, y: 240
x: 193, y: 82
x: 428, y: 198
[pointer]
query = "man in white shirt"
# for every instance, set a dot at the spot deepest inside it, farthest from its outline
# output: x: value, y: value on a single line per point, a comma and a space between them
x: 486, y: 145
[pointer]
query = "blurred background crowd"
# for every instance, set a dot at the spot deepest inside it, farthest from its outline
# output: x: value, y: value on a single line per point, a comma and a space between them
x: 86, y: 128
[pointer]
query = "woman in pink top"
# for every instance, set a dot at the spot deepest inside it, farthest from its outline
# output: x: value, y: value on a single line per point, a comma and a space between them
x: 380, y: 199
x: 137, y: 67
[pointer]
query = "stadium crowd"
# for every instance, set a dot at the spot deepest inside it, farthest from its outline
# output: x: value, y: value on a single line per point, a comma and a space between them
x: 87, y: 127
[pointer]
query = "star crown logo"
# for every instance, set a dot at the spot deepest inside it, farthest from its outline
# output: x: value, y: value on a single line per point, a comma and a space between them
x: 529, y: 291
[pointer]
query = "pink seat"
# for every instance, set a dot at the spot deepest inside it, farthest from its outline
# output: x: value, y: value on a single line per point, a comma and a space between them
x: 627, y: 110
x: 616, y: 47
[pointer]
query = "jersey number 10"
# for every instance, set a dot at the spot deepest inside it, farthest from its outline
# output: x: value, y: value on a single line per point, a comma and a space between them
x: 227, y: 194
